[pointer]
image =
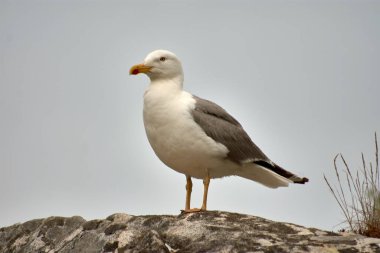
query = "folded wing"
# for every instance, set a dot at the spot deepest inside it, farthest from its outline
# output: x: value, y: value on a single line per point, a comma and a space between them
x: 225, y: 129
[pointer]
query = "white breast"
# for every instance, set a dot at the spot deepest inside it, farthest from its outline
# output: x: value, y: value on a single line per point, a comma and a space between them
x: 176, y: 139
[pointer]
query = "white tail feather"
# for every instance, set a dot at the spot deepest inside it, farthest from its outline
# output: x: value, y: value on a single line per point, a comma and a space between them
x: 263, y: 176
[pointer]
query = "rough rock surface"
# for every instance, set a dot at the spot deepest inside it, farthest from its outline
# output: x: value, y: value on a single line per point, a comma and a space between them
x: 210, y: 231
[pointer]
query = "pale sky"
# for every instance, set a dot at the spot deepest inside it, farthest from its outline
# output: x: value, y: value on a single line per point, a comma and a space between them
x: 302, y: 77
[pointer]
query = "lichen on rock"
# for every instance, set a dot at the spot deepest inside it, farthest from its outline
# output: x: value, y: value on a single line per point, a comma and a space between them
x: 210, y: 231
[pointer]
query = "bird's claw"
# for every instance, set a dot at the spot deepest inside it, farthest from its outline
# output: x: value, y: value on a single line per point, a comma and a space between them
x: 192, y: 210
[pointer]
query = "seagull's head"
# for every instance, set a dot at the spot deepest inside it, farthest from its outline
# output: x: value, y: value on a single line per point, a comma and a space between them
x: 159, y: 64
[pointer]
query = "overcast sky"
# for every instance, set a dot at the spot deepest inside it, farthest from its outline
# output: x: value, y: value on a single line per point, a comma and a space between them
x: 302, y: 77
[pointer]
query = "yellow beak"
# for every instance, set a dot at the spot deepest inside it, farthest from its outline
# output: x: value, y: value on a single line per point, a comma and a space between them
x: 139, y: 68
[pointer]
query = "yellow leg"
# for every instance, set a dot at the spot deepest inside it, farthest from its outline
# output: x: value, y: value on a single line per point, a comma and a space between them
x: 206, y: 183
x: 189, y: 188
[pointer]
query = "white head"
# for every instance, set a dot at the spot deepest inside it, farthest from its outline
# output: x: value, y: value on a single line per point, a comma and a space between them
x: 160, y: 65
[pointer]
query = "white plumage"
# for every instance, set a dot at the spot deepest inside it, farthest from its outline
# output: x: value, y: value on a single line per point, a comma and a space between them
x: 187, y: 143
x: 175, y: 137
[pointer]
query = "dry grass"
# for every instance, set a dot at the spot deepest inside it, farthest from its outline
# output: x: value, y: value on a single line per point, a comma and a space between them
x: 358, y: 194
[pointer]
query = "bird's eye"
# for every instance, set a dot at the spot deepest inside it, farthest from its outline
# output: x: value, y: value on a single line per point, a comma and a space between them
x: 163, y: 59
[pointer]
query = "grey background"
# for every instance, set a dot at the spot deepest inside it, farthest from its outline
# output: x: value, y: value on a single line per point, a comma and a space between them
x: 301, y: 76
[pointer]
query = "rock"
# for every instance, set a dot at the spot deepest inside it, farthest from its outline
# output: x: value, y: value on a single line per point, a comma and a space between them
x: 210, y: 231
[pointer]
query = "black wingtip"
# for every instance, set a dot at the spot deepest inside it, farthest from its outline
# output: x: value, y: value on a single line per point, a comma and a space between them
x: 282, y: 172
x: 302, y: 181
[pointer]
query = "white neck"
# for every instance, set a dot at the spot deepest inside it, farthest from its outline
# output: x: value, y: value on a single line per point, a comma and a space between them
x: 169, y: 84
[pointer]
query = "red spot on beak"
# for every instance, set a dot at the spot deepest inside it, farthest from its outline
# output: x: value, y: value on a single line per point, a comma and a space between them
x: 135, y: 71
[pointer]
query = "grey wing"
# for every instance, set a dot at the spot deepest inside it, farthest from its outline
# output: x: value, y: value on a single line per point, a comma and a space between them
x: 225, y: 129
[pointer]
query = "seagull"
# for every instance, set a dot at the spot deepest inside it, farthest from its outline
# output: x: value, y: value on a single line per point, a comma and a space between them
x: 197, y: 137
